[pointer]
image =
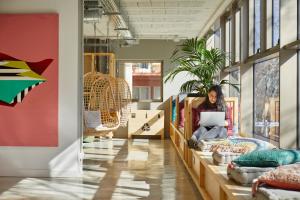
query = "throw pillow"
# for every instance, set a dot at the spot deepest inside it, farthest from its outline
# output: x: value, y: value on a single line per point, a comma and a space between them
x: 284, y: 177
x: 181, y: 115
x: 173, y: 110
x: 268, y: 158
x: 181, y: 98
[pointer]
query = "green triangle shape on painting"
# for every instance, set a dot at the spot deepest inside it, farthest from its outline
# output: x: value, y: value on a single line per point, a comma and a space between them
x: 11, y: 88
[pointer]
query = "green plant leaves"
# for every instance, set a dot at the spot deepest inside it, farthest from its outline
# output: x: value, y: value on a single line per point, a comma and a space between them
x: 201, y: 64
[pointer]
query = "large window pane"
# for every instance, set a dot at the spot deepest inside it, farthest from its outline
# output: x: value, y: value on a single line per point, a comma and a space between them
x: 266, y: 99
x: 298, y: 112
x: 276, y: 21
x: 156, y: 93
x: 257, y: 26
x: 144, y: 93
x: 144, y: 79
x: 251, y: 28
x: 210, y: 42
x: 217, y: 38
x: 237, y: 35
x: 298, y: 2
x: 228, y: 40
x: 234, y: 78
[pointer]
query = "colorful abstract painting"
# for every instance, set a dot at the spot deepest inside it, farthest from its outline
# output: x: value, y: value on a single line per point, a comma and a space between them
x: 29, y: 80
x: 18, y: 78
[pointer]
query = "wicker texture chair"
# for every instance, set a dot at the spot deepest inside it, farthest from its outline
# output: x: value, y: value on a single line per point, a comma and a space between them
x: 111, y: 97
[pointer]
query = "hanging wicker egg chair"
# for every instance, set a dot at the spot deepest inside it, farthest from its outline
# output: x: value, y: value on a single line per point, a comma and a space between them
x: 107, y: 99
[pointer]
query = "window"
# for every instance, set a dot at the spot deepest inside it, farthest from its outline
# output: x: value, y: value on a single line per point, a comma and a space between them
x: 141, y: 93
x: 238, y: 36
x: 228, y: 40
x: 217, y: 38
x: 256, y: 26
x: 251, y: 28
x: 266, y: 100
x: 298, y: 2
x: 210, y: 42
x: 298, y: 112
x: 276, y: 22
x: 234, y: 78
x: 156, y: 93
x: 144, y: 79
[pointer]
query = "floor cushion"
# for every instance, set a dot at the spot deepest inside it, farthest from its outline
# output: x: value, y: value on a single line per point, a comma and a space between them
x: 270, y: 193
x: 245, y: 175
x: 224, y: 153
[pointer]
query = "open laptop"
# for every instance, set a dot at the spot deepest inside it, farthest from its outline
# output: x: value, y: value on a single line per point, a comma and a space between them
x: 212, y: 119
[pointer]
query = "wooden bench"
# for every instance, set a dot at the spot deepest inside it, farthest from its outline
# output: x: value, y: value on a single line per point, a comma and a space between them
x: 211, y: 180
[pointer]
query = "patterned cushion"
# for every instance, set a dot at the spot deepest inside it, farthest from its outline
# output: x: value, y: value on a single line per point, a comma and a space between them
x: 241, y: 145
x: 268, y: 158
x: 284, y: 177
x: 252, y: 143
x: 207, y: 145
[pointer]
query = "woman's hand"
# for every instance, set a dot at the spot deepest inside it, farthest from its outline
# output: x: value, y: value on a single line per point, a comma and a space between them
x: 226, y: 123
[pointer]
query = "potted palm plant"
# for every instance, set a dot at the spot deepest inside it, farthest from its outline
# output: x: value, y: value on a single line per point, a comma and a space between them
x: 202, y: 65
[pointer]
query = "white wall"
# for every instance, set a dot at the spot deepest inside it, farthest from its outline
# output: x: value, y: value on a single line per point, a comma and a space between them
x: 63, y: 160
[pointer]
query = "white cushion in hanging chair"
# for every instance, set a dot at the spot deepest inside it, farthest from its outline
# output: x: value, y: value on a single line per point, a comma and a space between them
x: 92, y: 119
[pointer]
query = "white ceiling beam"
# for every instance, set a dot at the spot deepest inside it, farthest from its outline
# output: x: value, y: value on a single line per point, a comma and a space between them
x: 219, y: 11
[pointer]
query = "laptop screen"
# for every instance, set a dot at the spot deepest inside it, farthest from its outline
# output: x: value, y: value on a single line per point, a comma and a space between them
x: 212, y: 119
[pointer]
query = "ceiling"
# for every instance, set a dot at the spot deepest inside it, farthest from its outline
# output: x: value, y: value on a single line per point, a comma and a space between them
x: 156, y: 19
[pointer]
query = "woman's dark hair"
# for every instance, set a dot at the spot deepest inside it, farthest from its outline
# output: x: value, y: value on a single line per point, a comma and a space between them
x: 220, y: 103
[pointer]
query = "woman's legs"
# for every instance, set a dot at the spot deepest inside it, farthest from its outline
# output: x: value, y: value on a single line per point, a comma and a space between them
x: 193, y: 141
x: 197, y: 134
x: 215, y: 132
x: 202, y: 133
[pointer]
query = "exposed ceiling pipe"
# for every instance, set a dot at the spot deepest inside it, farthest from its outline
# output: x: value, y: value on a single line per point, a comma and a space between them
x: 117, y: 16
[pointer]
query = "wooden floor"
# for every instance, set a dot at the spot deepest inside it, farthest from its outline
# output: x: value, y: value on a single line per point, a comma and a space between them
x: 114, y: 169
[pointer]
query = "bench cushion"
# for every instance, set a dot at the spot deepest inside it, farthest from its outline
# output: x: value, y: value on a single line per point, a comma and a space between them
x: 245, y: 175
x: 270, y: 193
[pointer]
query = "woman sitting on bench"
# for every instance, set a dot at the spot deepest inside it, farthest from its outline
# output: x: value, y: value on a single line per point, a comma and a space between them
x: 214, y: 102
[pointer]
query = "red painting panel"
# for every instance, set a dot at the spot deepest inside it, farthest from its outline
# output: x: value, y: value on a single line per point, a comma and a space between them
x: 29, y: 40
